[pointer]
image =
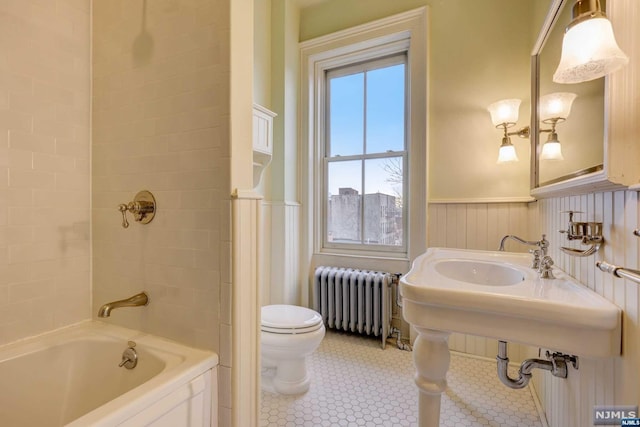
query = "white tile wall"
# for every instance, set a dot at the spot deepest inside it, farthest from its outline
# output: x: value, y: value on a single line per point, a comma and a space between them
x: 44, y: 164
x: 160, y: 123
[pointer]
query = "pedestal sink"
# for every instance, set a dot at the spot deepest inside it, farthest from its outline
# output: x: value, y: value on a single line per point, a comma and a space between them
x: 497, y: 295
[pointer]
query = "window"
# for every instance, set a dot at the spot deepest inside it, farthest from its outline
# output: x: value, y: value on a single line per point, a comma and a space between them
x: 365, y: 155
x: 363, y: 150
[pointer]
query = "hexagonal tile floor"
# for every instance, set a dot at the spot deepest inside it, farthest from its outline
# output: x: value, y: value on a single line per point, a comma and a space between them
x: 356, y: 383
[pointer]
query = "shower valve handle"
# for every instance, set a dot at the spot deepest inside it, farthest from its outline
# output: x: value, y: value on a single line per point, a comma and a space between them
x: 143, y: 208
x: 123, y: 209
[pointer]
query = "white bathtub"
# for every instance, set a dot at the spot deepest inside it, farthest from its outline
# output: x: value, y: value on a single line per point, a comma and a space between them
x: 70, y: 377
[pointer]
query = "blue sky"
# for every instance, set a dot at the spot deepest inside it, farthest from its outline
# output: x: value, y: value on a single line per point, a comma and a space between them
x: 384, y: 126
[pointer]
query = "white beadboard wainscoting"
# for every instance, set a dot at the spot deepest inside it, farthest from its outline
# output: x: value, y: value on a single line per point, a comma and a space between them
x: 482, y: 226
x: 478, y: 225
x: 281, y: 251
x: 241, y: 406
x: 569, y: 403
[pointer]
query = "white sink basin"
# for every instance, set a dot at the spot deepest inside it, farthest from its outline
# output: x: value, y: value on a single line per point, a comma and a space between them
x: 497, y: 295
x: 478, y: 272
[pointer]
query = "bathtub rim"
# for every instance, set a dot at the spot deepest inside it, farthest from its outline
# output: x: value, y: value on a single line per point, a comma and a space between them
x: 184, y: 364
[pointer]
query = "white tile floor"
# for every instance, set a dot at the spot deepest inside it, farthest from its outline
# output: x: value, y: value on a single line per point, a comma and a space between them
x: 356, y: 383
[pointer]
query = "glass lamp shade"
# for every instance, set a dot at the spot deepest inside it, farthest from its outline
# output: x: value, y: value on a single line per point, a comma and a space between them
x: 551, y: 150
x: 589, y: 51
x: 507, y: 154
x: 504, y: 111
x: 556, y: 105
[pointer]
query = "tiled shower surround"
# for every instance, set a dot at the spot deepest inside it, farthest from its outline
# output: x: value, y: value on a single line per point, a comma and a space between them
x: 44, y: 165
x: 159, y: 100
x: 158, y: 88
x: 160, y: 123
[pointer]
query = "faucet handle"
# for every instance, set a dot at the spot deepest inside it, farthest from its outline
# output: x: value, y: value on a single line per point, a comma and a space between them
x: 129, y: 358
x: 543, y: 244
x: 123, y: 209
x: 545, y: 270
x: 535, y: 263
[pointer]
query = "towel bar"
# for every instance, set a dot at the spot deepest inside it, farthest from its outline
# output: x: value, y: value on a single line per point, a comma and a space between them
x: 625, y: 273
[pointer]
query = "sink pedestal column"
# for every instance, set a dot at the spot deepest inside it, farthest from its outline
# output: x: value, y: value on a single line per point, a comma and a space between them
x: 431, y: 359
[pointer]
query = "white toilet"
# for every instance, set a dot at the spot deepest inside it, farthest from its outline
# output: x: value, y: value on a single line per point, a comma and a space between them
x: 289, y: 334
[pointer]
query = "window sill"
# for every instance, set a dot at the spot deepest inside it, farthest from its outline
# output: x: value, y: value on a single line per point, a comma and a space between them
x: 377, y: 256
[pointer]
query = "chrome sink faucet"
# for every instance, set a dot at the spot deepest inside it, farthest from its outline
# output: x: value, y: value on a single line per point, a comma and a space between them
x: 541, y: 261
x: 135, y: 301
x: 538, y: 254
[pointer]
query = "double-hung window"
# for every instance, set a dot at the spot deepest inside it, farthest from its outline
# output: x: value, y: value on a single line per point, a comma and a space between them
x: 363, y: 151
x: 365, y: 156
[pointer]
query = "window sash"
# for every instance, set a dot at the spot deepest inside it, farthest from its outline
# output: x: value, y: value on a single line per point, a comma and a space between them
x: 363, y: 248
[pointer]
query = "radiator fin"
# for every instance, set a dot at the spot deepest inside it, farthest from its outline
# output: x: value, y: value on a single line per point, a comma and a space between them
x: 354, y: 300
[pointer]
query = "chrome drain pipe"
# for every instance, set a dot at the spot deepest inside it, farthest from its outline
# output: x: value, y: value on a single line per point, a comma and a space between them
x: 557, y: 365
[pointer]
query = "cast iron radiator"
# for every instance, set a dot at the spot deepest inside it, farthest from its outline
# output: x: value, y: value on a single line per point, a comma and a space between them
x: 354, y: 300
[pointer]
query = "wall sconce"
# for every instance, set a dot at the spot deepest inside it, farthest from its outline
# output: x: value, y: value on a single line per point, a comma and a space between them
x: 554, y: 109
x: 504, y: 114
x: 589, y: 48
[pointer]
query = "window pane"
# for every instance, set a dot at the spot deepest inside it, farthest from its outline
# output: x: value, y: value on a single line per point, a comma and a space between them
x: 346, y: 115
x: 344, y: 201
x: 383, y: 224
x: 385, y: 109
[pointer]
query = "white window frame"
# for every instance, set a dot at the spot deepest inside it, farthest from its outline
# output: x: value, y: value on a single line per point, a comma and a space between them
x: 405, y: 32
x: 373, y: 63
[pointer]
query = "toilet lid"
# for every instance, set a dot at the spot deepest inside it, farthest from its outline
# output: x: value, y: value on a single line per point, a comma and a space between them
x: 289, y: 319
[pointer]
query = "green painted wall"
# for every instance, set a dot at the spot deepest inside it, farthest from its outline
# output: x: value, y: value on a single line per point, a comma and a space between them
x: 334, y: 15
x: 479, y: 53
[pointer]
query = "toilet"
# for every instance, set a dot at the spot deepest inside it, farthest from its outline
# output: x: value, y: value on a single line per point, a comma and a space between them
x: 288, y: 335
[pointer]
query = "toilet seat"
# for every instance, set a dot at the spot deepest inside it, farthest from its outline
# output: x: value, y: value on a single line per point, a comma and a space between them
x: 289, y: 319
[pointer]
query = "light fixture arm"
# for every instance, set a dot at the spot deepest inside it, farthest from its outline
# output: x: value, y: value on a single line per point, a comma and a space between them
x: 524, y: 132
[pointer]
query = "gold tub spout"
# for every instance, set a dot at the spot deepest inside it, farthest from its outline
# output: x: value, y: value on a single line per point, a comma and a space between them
x: 135, y: 301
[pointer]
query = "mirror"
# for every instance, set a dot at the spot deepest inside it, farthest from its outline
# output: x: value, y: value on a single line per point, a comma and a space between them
x: 582, y: 134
